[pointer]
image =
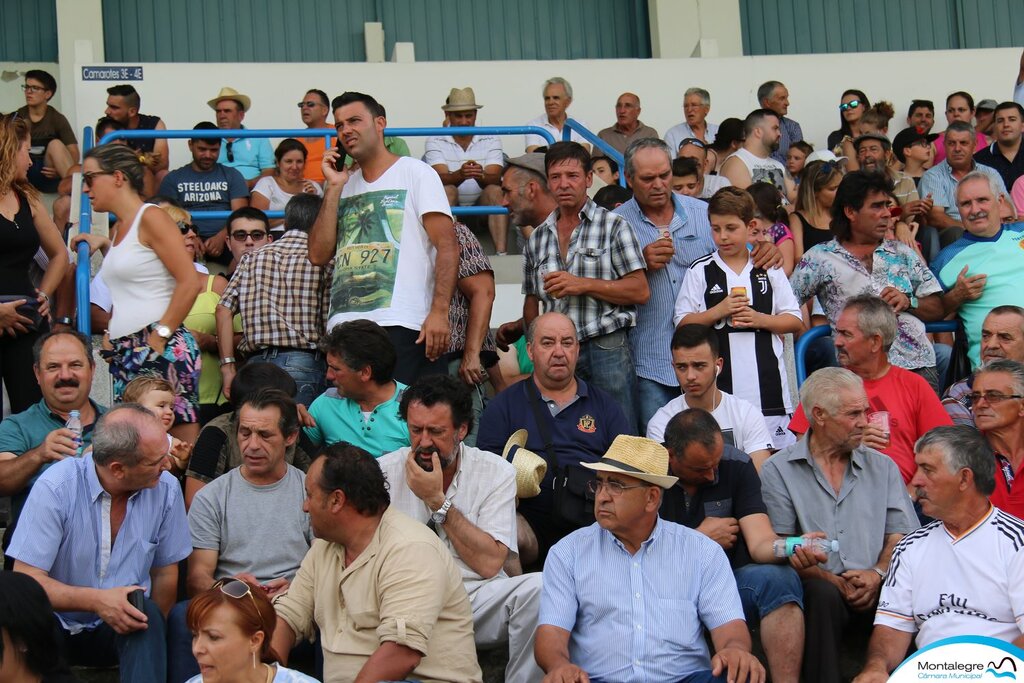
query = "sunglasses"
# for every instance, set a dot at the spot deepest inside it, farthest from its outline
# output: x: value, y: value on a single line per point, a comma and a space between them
x: 233, y: 588
x: 852, y: 104
x: 230, y: 154
x: 90, y: 176
x: 186, y: 228
x: 692, y: 141
x: 255, y: 235
x: 308, y: 104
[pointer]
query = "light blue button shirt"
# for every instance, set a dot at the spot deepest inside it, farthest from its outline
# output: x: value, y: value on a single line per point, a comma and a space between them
x: 638, y: 618
x: 651, y: 337
x: 65, y: 525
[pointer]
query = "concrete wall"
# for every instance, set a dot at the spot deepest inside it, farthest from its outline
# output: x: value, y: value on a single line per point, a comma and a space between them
x: 510, y: 91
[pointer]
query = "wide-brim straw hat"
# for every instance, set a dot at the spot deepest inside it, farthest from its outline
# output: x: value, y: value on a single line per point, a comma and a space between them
x: 461, y: 99
x: 637, y: 457
x: 231, y: 94
x: 530, y: 467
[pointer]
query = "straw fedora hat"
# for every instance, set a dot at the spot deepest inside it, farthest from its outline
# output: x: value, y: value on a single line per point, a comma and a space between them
x: 530, y: 467
x: 231, y: 94
x: 461, y: 99
x: 637, y: 457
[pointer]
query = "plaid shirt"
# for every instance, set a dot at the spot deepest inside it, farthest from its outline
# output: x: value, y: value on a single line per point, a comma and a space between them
x: 602, y: 247
x: 281, y: 296
x: 472, y: 261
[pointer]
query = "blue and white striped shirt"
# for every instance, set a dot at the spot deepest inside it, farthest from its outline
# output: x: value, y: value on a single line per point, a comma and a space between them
x: 651, y: 338
x: 64, y: 529
x: 638, y: 618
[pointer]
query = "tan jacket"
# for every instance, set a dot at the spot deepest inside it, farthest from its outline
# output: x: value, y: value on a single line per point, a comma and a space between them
x: 404, y: 588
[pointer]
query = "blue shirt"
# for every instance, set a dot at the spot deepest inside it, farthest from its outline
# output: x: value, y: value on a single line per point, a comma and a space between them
x: 938, y: 181
x: 210, y: 191
x: 65, y: 531
x: 638, y: 617
x: 251, y: 155
x: 26, y: 430
x: 650, y: 340
x: 1001, y: 259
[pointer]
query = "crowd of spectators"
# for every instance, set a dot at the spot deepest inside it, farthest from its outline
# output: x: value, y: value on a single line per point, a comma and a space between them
x: 322, y: 463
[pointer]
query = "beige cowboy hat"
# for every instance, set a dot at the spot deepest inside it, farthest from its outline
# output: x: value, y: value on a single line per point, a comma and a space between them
x: 231, y: 94
x: 461, y: 99
x: 530, y: 467
x: 637, y: 457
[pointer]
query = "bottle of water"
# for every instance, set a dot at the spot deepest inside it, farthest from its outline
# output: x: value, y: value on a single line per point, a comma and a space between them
x: 74, y: 423
x: 785, y: 547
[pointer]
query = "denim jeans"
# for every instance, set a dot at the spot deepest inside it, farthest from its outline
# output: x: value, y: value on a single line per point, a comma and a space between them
x: 766, y: 587
x: 307, y: 368
x: 141, y: 655
x: 607, y: 363
x: 651, y: 397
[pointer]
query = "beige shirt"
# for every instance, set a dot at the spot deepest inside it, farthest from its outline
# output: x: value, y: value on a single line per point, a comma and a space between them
x: 403, y: 588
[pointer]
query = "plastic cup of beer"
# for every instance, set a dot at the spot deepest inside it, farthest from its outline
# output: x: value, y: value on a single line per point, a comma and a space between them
x: 880, y: 419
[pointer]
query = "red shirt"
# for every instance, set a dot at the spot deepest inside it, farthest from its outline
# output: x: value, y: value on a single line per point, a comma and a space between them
x: 1012, y: 500
x: 913, y: 410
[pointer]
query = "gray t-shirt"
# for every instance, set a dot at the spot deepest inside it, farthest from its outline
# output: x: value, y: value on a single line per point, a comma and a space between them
x: 257, y: 529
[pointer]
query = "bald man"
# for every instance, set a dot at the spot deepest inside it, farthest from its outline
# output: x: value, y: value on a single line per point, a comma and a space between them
x: 628, y: 126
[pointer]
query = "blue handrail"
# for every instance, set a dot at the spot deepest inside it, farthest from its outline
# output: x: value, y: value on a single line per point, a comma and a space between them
x: 83, y: 271
x: 572, y: 124
x: 818, y: 331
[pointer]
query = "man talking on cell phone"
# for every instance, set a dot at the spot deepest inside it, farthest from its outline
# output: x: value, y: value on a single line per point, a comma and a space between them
x: 249, y: 523
x: 389, y: 229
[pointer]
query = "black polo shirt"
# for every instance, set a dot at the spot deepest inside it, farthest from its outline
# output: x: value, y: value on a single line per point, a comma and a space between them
x: 736, y: 492
x: 1009, y: 170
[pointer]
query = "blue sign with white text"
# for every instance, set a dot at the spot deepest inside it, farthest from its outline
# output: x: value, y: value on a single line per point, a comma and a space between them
x: 111, y: 73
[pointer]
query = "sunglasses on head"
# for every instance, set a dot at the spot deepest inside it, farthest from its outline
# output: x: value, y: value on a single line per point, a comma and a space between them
x: 233, y: 588
x: 692, y: 141
x: 852, y: 104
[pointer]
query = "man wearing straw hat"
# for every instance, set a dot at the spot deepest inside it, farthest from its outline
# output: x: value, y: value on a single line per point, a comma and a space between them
x: 628, y: 598
x: 470, y: 166
x: 252, y: 157
x: 467, y: 496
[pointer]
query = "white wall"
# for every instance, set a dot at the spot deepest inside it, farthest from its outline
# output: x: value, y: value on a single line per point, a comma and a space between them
x: 510, y: 91
x: 12, y: 77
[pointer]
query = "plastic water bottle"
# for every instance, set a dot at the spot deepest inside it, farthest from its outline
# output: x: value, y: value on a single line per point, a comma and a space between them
x: 785, y: 547
x: 74, y: 423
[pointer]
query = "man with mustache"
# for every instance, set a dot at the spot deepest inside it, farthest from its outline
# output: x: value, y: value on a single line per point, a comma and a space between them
x: 36, y: 438
x: 996, y: 401
x: 981, y: 270
x: 941, y: 181
x: 467, y: 496
x: 1002, y: 338
x: 832, y: 481
x: 953, y: 481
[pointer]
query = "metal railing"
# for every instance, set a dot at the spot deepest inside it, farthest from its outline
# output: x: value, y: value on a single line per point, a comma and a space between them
x: 818, y: 331
x: 572, y: 124
x: 83, y: 272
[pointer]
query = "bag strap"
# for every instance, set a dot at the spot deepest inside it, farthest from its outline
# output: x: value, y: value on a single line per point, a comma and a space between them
x: 534, y: 399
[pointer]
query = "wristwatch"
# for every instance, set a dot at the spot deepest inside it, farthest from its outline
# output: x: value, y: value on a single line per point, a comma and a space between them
x: 441, y: 514
x: 163, y: 331
x: 227, y: 360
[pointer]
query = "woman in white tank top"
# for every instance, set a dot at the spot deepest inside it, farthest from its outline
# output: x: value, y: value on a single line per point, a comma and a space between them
x: 152, y: 284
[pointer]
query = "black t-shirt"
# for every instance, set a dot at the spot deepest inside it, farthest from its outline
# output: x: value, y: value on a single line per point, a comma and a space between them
x: 736, y: 492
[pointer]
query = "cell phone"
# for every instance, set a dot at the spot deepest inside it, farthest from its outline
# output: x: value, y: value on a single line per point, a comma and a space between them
x: 339, y: 163
x: 137, y: 599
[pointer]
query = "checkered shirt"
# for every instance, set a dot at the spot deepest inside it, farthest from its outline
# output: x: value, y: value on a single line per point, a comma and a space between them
x: 602, y: 247
x: 281, y: 296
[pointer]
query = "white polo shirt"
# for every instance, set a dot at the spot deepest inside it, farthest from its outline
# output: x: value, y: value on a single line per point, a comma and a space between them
x: 483, y: 149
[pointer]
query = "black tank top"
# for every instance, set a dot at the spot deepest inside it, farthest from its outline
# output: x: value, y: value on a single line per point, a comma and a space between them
x: 20, y: 242
x: 146, y: 122
x: 813, y: 234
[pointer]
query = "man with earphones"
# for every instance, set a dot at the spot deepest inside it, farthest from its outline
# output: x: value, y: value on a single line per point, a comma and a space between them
x: 697, y: 364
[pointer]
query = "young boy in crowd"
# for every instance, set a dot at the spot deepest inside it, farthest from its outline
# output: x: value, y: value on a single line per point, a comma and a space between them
x: 685, y: 178
x: 750, y: 308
